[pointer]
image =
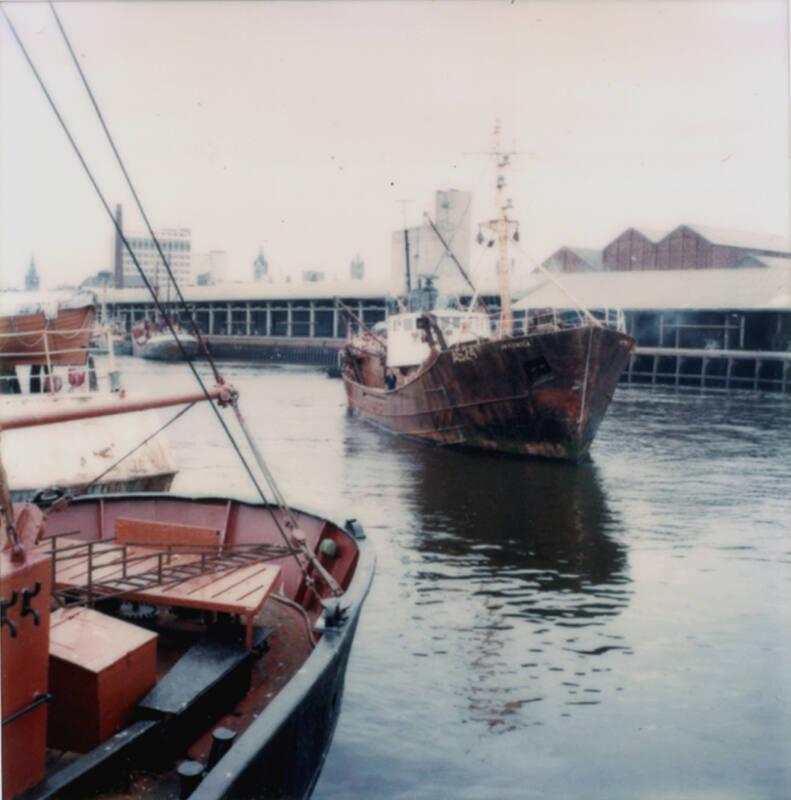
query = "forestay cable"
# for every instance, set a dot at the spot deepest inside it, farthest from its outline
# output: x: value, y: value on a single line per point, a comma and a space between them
x: 301, y: 547
x: 190, y: 316
x: 266, y: 472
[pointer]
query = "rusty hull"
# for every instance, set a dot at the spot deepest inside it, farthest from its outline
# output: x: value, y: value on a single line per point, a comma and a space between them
x: 543, y: 394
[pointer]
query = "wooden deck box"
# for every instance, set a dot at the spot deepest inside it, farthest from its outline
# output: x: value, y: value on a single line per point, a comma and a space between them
x: 100, y: 668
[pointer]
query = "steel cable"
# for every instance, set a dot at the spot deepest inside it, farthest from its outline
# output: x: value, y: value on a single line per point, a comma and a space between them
x: 294, y: 552
x: 139, y: 204
x: 85, y: 489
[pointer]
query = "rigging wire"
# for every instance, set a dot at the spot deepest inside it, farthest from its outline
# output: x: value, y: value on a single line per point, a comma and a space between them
x: 476, y: 184
x: 537, y: 265
x: 190, y: 315
x: 302, y: 547
x: 88, y: 486
x: 102, y: 199
x: 264, y: 469
x: 449, y: 252
x: 456, y: 229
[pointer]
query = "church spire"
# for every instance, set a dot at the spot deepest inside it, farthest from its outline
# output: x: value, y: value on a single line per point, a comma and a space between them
x: 31, y: 279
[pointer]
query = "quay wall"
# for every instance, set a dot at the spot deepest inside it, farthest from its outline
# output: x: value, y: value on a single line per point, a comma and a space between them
x: 710, y: 369
x: 648, y: 366
x: 710, y: 349
x: 279, y: 349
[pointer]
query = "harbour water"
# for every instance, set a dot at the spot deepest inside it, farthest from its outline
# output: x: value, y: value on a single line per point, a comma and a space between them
x: 618, y: 629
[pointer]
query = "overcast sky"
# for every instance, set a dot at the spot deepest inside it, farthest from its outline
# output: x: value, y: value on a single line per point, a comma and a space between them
x: 299, y: 127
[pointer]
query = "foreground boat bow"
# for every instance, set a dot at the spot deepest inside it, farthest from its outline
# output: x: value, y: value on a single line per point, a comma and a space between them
x: 196, y: 709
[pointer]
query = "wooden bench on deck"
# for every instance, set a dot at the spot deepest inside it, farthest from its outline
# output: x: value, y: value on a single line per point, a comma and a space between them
x: 147, y: 544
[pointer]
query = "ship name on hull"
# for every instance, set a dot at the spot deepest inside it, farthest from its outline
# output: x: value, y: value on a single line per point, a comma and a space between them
x: 464, y: 353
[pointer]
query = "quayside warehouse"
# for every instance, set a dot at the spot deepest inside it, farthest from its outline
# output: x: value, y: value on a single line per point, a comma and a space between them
x: 707, y: 309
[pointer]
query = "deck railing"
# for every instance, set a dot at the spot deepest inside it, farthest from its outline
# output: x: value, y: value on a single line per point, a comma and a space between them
x: 41, y: 339
x: 39, y: 352
x: 525, y: 322
x: 125, y: 568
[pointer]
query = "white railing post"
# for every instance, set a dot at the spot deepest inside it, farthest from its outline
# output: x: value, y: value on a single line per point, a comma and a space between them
x: 49, y: 363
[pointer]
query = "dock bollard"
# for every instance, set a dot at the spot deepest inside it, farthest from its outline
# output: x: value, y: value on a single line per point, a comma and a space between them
x: 221, y: 741
x: 190, y: 775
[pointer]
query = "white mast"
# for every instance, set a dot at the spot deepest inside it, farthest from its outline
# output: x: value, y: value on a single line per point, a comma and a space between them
x: 503, y: 228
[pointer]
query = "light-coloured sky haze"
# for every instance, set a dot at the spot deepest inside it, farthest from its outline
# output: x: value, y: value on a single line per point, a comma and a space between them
x: 300, y: 126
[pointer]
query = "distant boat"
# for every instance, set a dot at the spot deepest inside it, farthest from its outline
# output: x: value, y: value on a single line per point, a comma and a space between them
x: 112, y: 334
x: 46, y: 368
x: 122, y: 344
x: 101, y: 341
x: 161, y: 346
x: 449, y: 375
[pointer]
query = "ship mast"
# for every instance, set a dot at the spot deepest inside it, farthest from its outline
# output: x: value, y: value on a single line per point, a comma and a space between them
x: 503, y: 228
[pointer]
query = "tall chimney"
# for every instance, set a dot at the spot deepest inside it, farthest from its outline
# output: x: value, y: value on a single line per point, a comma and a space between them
x: 119, y: 249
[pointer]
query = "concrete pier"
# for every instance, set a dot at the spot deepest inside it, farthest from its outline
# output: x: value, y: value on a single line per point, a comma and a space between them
x: 758, y: 370
x: 319, y: 352
x: 722, y: 348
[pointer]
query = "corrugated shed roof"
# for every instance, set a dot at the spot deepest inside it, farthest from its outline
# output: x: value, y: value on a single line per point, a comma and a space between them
x: 747, y: 240
x: 592, y: 257
x: 743, y: 239
x: 588, y: 255
x: 701, y: 289
x: 652, y: 234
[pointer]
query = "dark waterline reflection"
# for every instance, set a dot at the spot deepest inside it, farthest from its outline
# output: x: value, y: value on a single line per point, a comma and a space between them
x: 544, y: 520
x: 529, y: 539
x: 510, y: 561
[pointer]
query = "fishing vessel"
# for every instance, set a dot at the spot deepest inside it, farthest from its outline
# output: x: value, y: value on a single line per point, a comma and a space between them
x: 111, y: 337
x: 158, y: 344
x: 48, y: 365
x: 536, y: 385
